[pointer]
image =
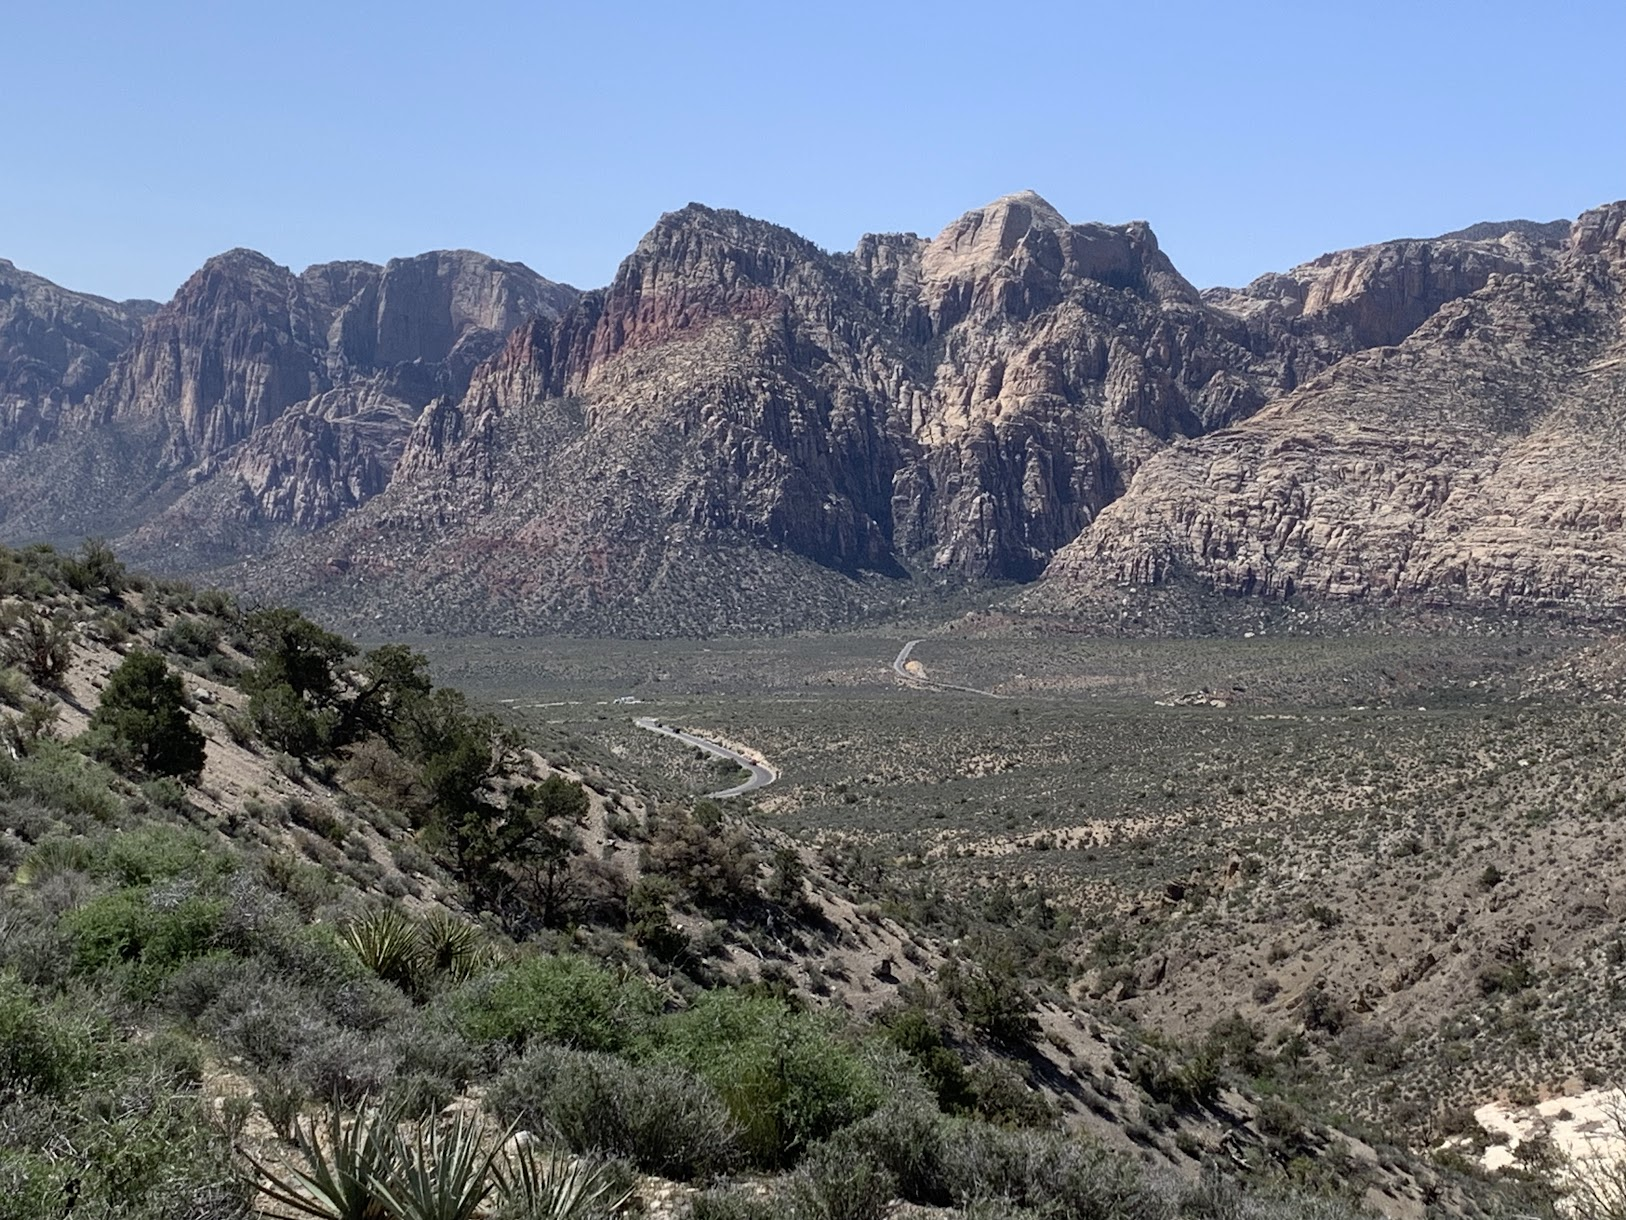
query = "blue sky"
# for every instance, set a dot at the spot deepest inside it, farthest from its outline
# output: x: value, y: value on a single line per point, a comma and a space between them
x: 140, y: 138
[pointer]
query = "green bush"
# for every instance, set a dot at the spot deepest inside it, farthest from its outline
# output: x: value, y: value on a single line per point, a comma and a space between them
x: 914, y: 1033
x: 735, y: 1203
x: 41, y: 647
x: 95, y: 569
x: 564, y: 1000
x: 143, y: 1155
x: 62, y: 780
x: 908, y: 1139
x: 190, y: 637
x: 665, y: 1120
x: 156, y: 852
x: 143, y: 934
x: 993, y: 1001
x: 41, y: 1051
x: 789, y: 1078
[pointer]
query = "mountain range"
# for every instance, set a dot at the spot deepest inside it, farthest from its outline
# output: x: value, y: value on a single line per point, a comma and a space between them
x: 745, y: 432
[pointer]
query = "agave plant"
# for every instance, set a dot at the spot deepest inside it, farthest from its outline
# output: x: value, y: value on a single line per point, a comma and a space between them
x: 347, y: 1161
x: 387, y: 944
x: 548, y: 1186
x: 441, y: 1173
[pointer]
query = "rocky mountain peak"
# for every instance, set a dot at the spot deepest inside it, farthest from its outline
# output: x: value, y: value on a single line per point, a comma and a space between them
x: 985, y: 239
x: 1017, y: 255
x: 1602, y: 232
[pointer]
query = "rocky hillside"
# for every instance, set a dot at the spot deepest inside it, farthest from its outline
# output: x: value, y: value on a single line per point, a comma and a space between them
x: 741, y: 432
x: 255, y: 884
x: 1475, y: 464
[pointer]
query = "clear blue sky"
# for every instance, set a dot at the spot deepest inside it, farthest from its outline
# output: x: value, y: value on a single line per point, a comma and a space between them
x: 140, y: 138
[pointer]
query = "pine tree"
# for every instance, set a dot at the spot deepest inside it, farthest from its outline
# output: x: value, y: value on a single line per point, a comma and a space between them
x: 142, y: 723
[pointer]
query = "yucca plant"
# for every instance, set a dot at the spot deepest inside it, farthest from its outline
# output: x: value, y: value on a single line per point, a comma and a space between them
x: 441, y: 1173
x: 449, y: 947
x: 387, y: 944
x: 548, y: 1186
x: 49, y: 857
x: 347, y: 1162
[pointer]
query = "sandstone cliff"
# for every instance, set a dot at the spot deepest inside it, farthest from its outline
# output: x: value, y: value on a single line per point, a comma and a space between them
x: 1477, y: 464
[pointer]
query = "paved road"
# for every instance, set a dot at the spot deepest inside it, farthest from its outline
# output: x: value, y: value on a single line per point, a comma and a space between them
x: 900, y: 666
x: 761, y: 776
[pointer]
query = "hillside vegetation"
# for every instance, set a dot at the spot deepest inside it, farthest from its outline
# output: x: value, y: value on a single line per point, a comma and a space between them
x: 284, y: 921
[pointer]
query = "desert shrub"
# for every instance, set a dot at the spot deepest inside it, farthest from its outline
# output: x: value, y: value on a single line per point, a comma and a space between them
x: 143, y: 934
x: 62, y: 780
x: 841, y: 1180
x: 436, y: 1063
x: 789, y: 1078
x: 190, y: 637
x: 1182, y: 1079
x: 1509, y: 977
x: 917, y: 1035
x: 284, y: 720
x: 151, y: 1154
x: 1213, y: 1196
x: 1323, y: 1012
x: 263, y: 1018
x: 993, y: 1000
x: 41, y: 647
x: 564, y: 1000
x: 293, y: 652
x: 154, y: 852
x: 344, y: 1066
x: 1052, y: 1173
x: 663, y: 1119
x: 54, y: 856
x: 1003, y: 1095
x: 711, y: 864
x: 735, y: 1203
x: 41, y: 1049
x: 650, y: 921
x: 95, y: 568
x: 908, y: 1138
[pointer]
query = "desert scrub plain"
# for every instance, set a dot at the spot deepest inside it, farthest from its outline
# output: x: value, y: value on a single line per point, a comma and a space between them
x: 1386, y: 869
x: 286, y: 927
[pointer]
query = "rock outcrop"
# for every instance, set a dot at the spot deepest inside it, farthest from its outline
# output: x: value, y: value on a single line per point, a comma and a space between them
x: 1476, y: 464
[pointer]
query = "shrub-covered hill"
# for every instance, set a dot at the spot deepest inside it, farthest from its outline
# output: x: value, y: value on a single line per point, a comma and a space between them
x: 278, y: 917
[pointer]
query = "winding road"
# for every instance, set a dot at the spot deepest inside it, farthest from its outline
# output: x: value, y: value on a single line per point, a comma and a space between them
x: 761, y: 776
x: 901, y: 663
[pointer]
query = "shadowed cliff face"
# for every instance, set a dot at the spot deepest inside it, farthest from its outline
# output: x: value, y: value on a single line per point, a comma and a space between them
x: 1476, y: 464
x: 295, y: 392
x: 967, y: 407
x: 56, y: 348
